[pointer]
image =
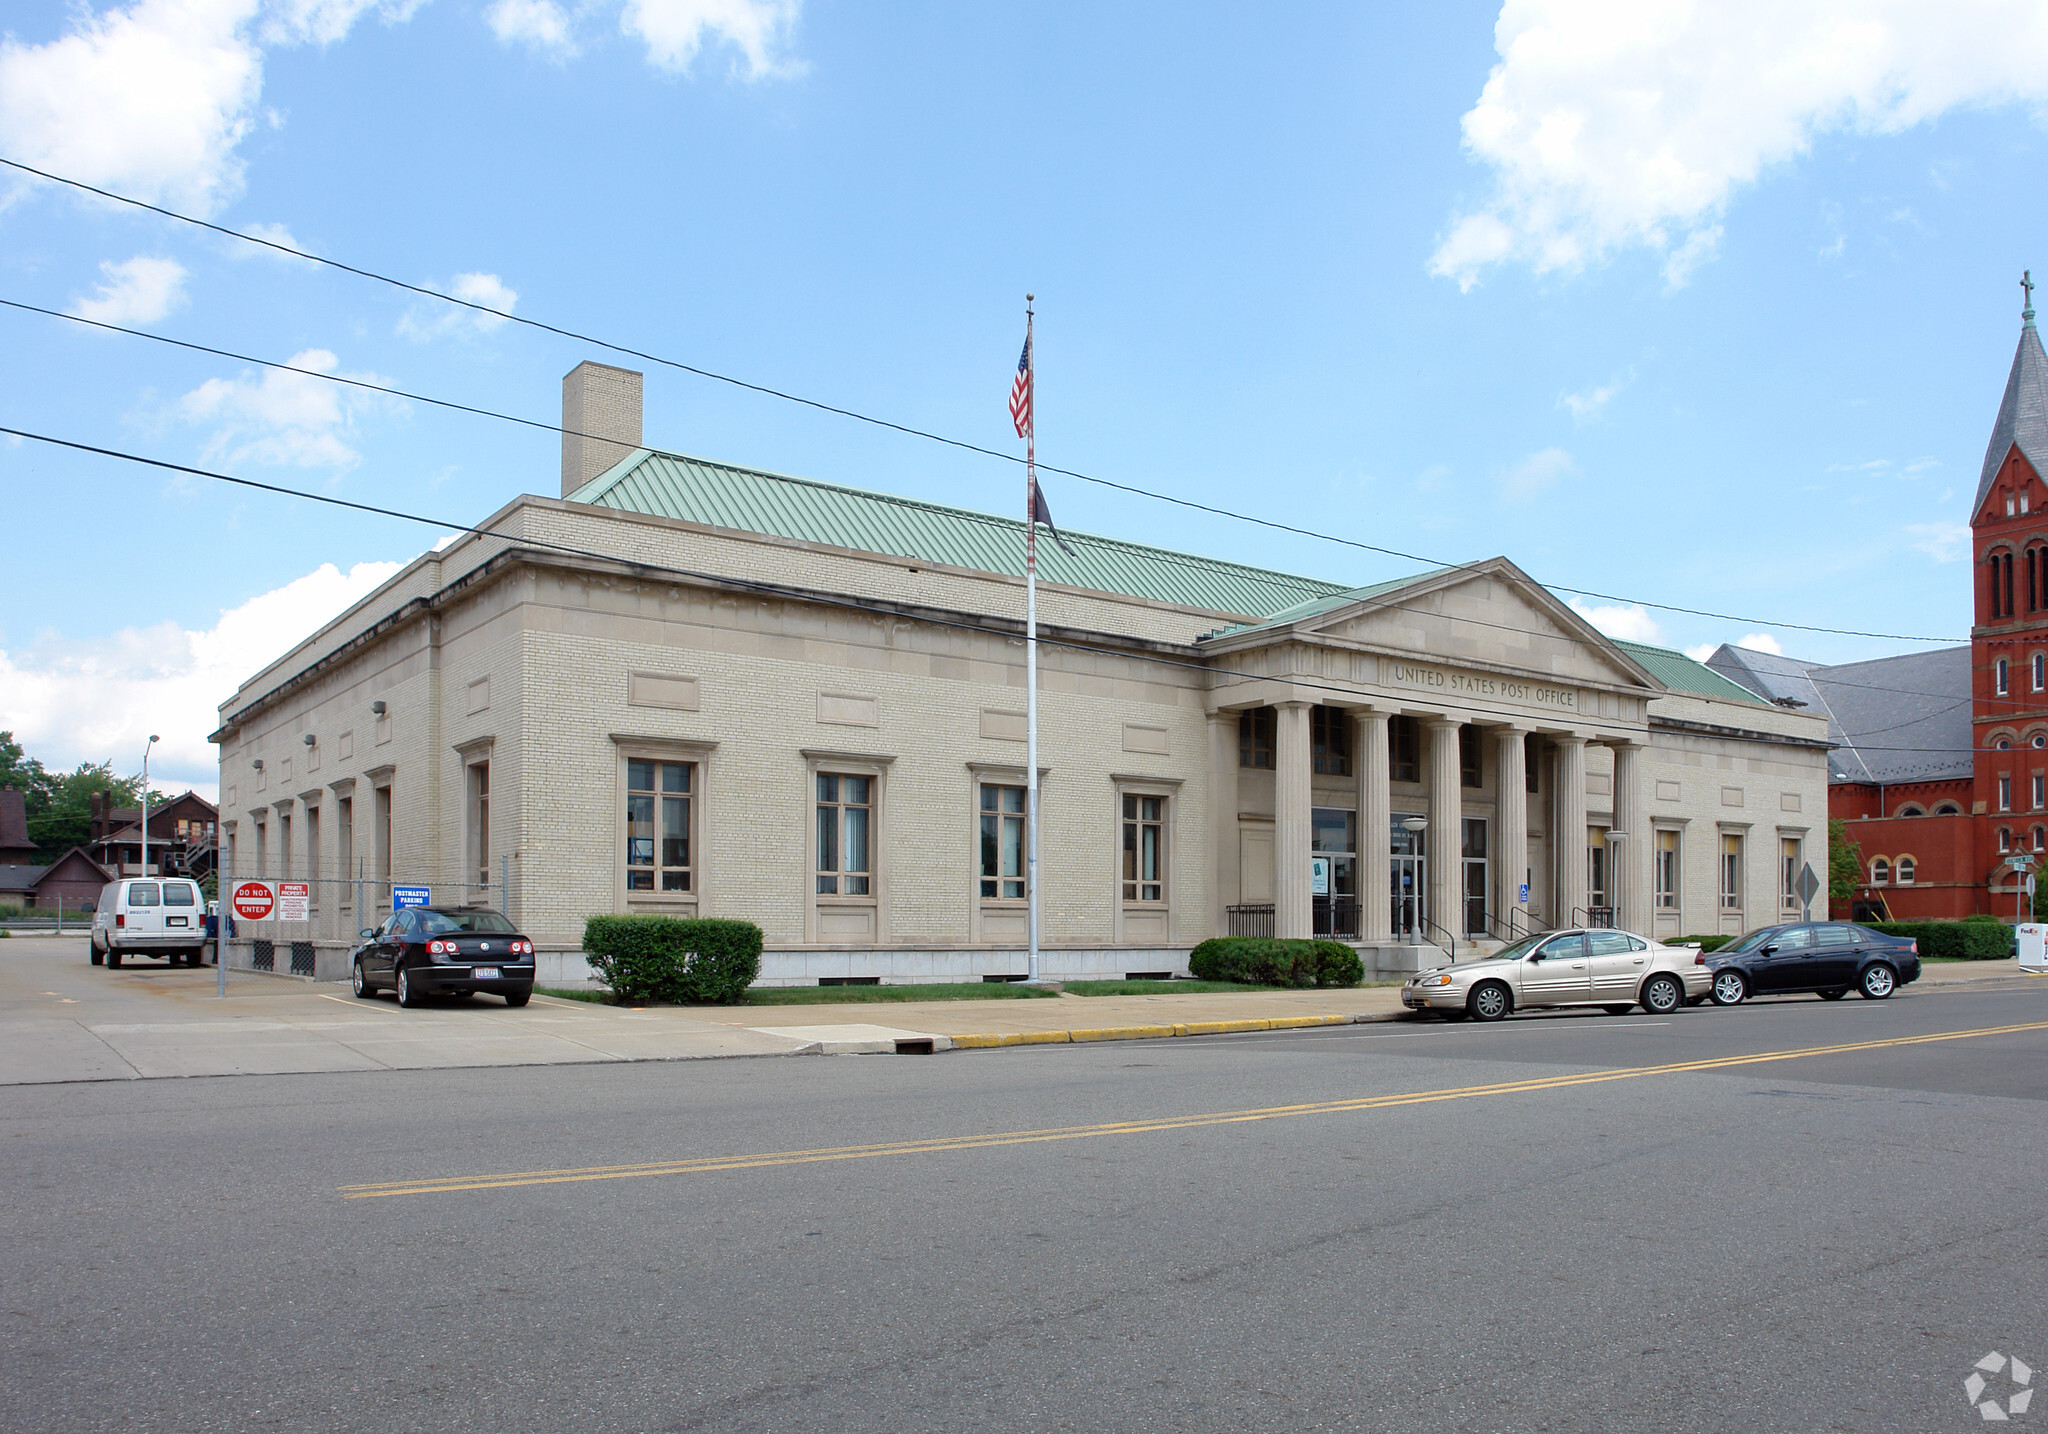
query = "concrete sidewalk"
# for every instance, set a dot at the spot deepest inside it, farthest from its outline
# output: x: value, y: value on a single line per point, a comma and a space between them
x: 62, y: 1019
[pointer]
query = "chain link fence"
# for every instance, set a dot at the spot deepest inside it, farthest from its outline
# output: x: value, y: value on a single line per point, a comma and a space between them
x: 327, y: 916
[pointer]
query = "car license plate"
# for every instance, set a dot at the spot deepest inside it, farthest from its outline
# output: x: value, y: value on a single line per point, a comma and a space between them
x: 485, y: 973
x: 174, y: 921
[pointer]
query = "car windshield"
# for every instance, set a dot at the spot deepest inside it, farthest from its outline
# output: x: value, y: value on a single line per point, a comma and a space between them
x: 1517, y: 951
x: 1751, y: 941
x: 440, y: 923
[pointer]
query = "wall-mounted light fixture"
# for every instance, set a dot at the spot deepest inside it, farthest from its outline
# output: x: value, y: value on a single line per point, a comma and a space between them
x: 309, y: 739
x: 378, y: 707
x: 257, y: 764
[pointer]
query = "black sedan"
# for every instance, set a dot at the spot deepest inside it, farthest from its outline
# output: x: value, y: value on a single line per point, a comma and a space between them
x: 1829, y: 958
x: 427, y: 951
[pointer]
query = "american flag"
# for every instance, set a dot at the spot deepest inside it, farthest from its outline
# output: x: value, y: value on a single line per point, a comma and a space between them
x: 1020, y: 392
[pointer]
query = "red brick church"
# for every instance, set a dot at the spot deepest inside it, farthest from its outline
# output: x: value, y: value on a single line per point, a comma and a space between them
x: 1940, y: 768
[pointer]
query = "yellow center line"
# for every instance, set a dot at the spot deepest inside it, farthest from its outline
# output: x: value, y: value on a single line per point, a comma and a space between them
x: 936, y: 1144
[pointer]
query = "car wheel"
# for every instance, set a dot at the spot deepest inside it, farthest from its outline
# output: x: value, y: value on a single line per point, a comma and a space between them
x: 518, y: 998
x: 1879, y: 981
x: 1489, y: 1001
x: 407, y: 996
x: 1614, y: 1010
x: 1731, y: 988
x: 94, y: 953
x: 113, y: 958
x: 1831, y: 995
x: 359, y: 982
x: 1662, y: 995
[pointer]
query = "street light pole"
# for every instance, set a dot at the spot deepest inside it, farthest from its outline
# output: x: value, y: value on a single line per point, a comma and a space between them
x: 145, y: 801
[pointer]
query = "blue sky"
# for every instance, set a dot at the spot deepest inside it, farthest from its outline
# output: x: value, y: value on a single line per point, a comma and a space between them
x: 1705, y: 309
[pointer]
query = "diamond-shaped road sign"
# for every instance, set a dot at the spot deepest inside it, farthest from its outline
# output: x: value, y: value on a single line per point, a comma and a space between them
x: 1807, y: 885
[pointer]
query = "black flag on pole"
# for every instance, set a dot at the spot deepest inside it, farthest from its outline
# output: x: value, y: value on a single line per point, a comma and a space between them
x: 1042, y: 514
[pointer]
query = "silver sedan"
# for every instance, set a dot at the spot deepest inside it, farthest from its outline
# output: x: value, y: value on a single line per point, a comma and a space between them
x: 1598, y: 967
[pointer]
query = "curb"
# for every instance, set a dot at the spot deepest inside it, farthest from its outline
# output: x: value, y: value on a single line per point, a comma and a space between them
x: 1153, y: 1033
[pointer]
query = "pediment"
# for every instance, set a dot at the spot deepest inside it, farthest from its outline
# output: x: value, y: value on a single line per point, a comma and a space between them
x: 1489, y: 615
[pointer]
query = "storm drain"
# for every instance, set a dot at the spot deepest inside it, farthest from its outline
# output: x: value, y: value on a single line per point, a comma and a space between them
x: 906, y: 1046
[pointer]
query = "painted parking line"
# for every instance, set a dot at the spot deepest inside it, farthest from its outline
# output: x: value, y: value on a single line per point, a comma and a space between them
x: 938, y: 1144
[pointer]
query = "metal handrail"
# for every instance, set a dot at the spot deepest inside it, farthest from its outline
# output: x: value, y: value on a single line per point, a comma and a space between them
x: 1450, y: 942
x: 1596, y: 916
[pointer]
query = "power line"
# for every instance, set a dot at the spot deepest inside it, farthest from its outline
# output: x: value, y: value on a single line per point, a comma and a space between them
x: 909, y: 431
x: 715, y: 579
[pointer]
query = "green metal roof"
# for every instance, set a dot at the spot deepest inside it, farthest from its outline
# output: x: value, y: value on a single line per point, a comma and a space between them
x: 696, y: 490
x: 1681, y: 674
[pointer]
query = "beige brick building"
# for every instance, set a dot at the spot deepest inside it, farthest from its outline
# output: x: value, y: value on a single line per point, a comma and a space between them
x: 695, y: 688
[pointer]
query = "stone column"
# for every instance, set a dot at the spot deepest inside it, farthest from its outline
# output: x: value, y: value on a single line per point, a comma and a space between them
x: 1375, y: 827
x: 1293, y: 910
x: 1510, y: 853
x: 1570, y: 838
x: 1225, y: 881
x: 1446, y: 835
x: 1634, y: 853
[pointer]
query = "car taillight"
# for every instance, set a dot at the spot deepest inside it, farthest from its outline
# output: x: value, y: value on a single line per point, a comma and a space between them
x: 523, y: 948
x: 119, y: 919
x: 1700, y: 960
x: 1913, y: 947
x: 438, y: 948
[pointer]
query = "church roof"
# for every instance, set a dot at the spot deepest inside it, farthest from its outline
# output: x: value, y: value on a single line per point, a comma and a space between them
x: 1892, y: 719
x: 2022, y: 414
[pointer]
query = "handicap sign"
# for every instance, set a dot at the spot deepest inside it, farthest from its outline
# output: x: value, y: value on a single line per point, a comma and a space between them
x: 1524, y: 898
x: 404, y: 896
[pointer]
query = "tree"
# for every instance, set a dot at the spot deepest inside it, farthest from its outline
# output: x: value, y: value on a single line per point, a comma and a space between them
x: 1845, y: 863
x: 23, y: 773
x: 65, y: 819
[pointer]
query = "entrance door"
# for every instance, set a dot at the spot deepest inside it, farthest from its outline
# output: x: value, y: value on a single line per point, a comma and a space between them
x: 1336, y: 907
x: 1410, y: 878
x: 1475, y: 876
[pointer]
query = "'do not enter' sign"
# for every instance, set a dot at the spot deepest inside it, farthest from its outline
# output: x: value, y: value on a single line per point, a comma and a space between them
x: 254, y: 900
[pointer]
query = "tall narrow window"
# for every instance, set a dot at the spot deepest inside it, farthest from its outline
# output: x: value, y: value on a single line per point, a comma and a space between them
x: 2033, y: 593
x: 262, y: 850
x: 658, y: 802
x: 1788, y: 867
x: 1880, y: 871
x: 2005, y: 794
x: 1596, y: 867
x: 1906, y: 870
x: 1329, y: 737
x: 313, y: 853
x: 1471, y: 772
x: 1404, y: 749
x: 345, y: 849
x: 1667, y: 871
x: 480, y: 822
x: 2040, y: 785
x: 1532, y: 762
x: 1144, y: 857
x: 2040, y: 665
x: 1255, y: 737
x: 2009, y: 608
x: 284, y: 845
x: 380, y: 838
x: 1731, y: 872
x: 845, y: 821
x: 2005, y: 838
x: 1002, y: 842
x: 2003, y: 676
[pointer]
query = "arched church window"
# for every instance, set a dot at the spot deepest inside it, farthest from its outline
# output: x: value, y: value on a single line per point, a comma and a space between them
x: 1905, y: 870
x: 1948, y: 809
x: 1910, y: 809
x: 1880, y: 871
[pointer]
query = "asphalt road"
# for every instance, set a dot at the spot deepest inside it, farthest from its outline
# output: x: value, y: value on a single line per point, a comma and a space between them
x: 1534, y: 1226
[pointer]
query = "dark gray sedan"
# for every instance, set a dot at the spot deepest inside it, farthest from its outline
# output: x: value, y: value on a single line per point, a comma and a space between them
x: 1827, y: 958
x: 427, y: 951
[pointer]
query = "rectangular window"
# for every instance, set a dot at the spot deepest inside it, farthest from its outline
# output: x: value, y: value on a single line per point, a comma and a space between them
x: 480, y: 822
x: 1667, y: 871
x: 1788, y: 854
x: 1404, y: 749
x: 846, y: 814
x: 2040, y: 791
x: 1329, y: 737
x: 1471, y: 769
x: 658, y: 801
x: 380, y: 840
x: 1144, y: 852
x: 2041, y: 669
x: 345, y: 848
x: 1532, y: 762
x: 1002, y: 841
x: 1596, y: 867
x: 313, y: 854
x: 262, y: 850
x: 284, y: 846
x: 2004, y: 685
x: 1731, y: 872
x: 1255, y: 737
x: 2004, y: 794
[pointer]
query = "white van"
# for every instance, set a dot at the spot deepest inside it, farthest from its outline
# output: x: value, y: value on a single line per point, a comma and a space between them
x: 157, y: 916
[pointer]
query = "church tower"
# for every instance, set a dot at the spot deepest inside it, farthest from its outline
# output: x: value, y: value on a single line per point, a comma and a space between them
x: 2009, y: 635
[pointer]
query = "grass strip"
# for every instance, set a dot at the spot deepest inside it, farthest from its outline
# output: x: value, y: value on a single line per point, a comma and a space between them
x: 851, y: 995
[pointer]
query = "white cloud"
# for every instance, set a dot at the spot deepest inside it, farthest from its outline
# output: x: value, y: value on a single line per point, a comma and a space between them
x: 1535, y: 475
x: 139, y: 291
x: 1761, y: 642
x: 1631, y: 622
x: 1588, y: 404
x: 540, y: 25
x: 88, y: 699
x: 1943, y: 542
x: 675, y: 30
x: 1703, y: 651
x: 1614, y: 123
x: 269, y: 234
x: 285, y: 419
x: 429, y: 320
x: 153, y: 100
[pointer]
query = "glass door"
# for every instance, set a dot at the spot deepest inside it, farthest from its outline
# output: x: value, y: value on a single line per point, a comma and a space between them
x: 1408, y: 859
x: 1336, y: 904
x: 1474, y: 855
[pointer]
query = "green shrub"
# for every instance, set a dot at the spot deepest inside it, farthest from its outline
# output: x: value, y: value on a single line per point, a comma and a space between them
x: 1337, y: 965
x: 1707, y: 943
x: 1970, y: 939
x: 1265, y: 961
x: 12, y: 911
x: 672, y: 959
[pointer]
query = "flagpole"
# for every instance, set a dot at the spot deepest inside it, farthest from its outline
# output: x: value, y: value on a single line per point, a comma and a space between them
x: 1031, y: 658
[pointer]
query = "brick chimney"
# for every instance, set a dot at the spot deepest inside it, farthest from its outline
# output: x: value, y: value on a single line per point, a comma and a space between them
x: 603, y: 402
